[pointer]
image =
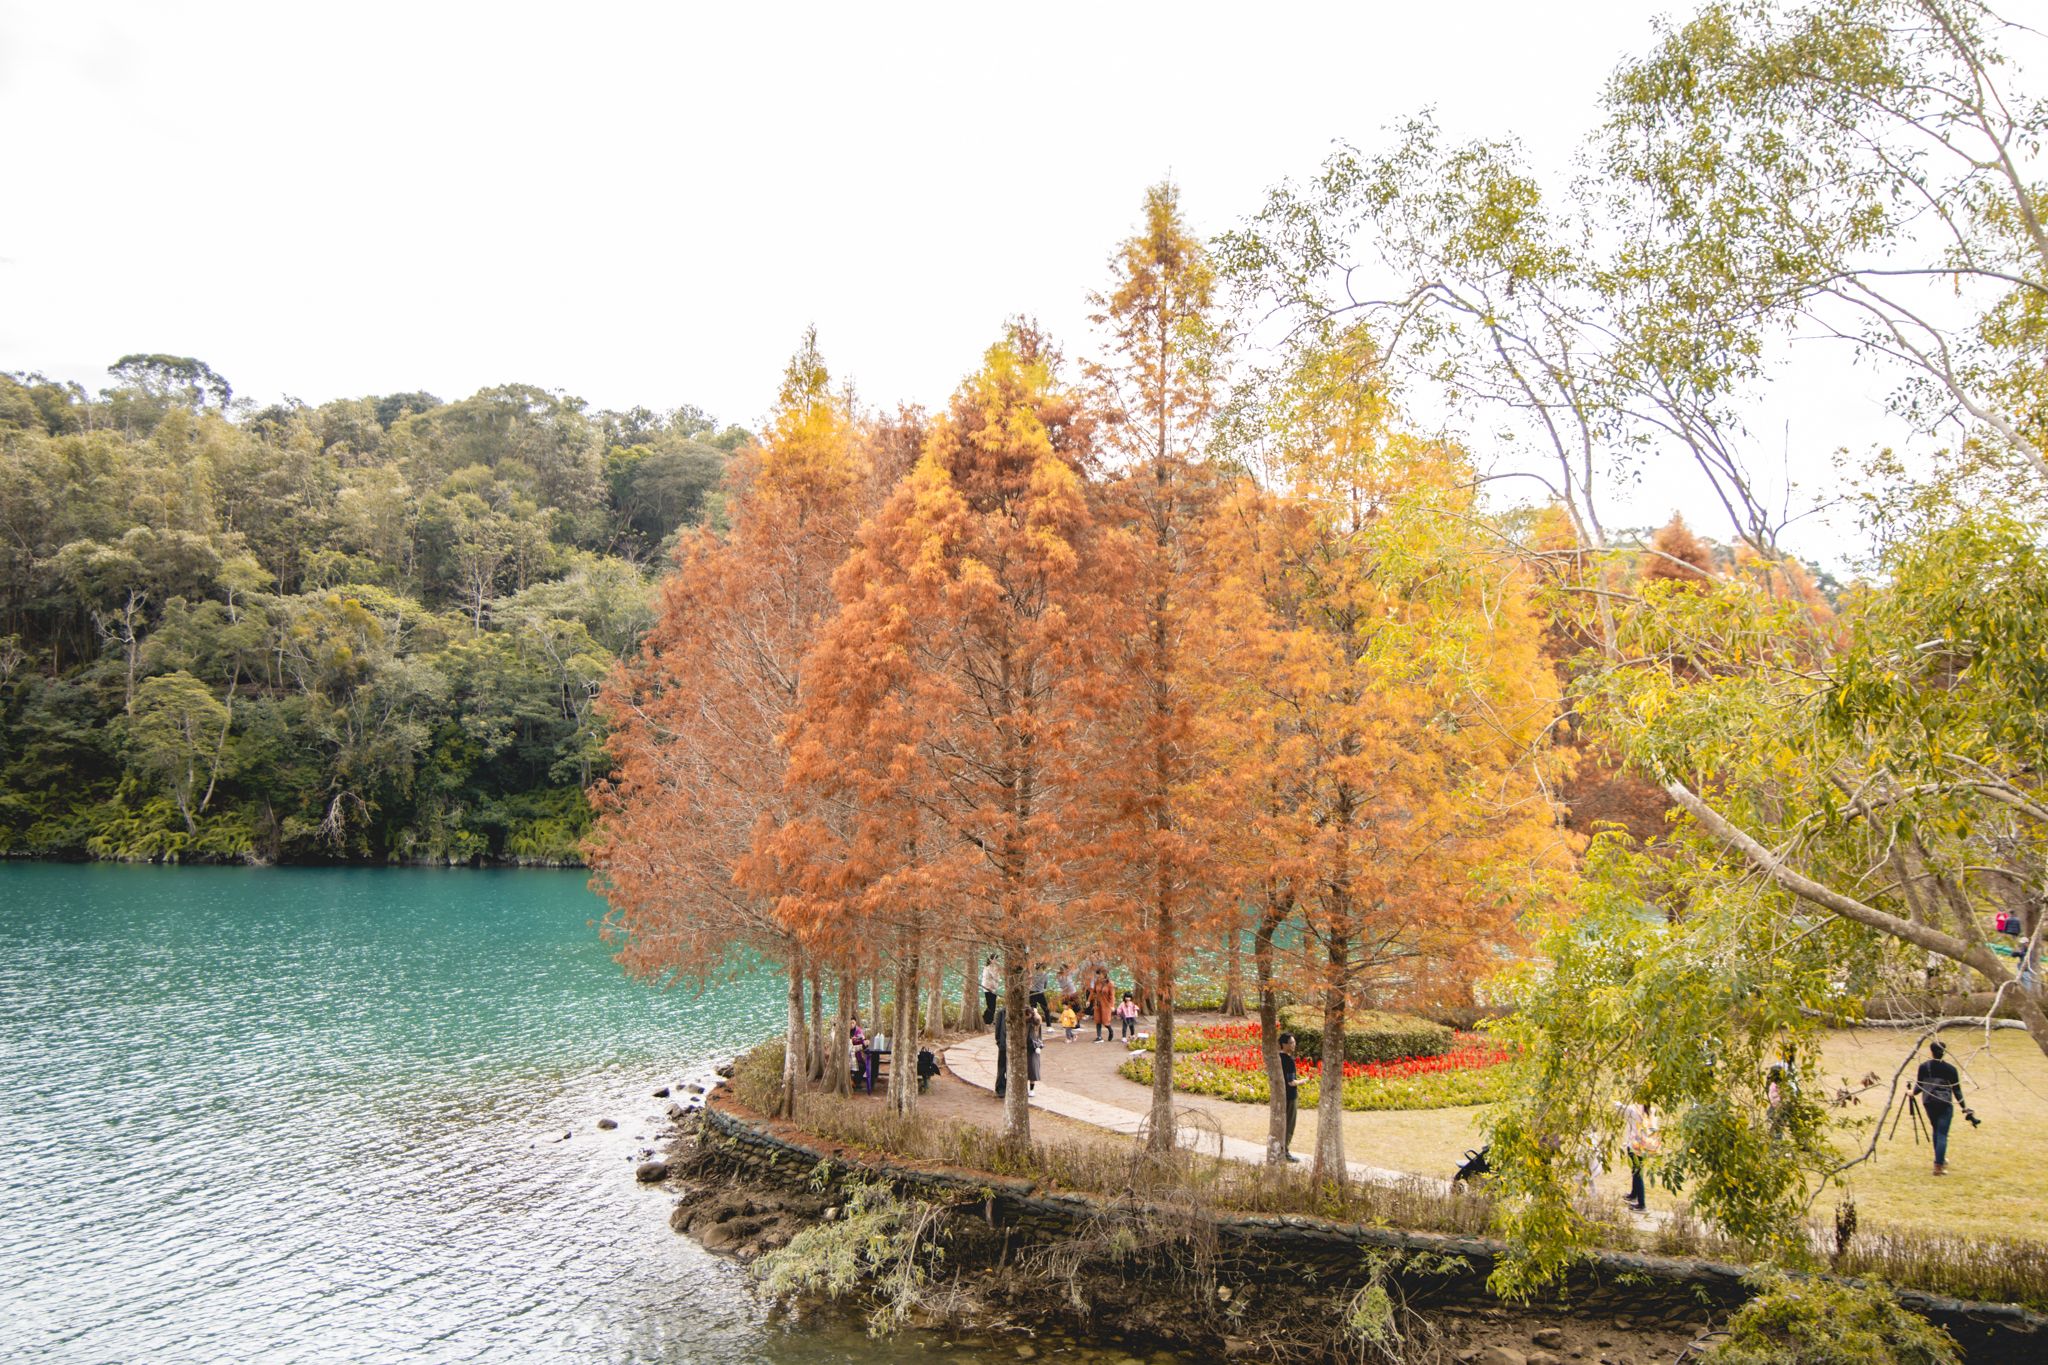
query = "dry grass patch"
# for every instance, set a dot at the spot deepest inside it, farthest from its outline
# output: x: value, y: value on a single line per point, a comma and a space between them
x: 1997, y: 1186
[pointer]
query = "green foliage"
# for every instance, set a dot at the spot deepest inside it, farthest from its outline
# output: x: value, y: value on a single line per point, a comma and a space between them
x: 879, y: 1247
x: 1369, y: 1035
x: 1687, y: 1014
x: 1888, y: 754
x: 757, y: 1076
x: 372, y: 629
x: 1823, y: 1322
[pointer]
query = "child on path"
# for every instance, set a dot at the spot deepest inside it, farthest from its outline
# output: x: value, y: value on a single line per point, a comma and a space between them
x: 1127, y: 1010
x: 1068, y: 1020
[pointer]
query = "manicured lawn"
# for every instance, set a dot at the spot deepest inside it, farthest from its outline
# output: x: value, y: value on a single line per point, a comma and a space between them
x: 1996, y: 1187
x: 1997, y: 1184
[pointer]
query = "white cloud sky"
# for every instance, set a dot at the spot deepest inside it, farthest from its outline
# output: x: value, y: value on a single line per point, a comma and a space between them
x: 648, y: 203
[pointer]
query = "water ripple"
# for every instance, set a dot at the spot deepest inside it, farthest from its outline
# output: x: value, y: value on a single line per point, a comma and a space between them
x: 313, y: 1115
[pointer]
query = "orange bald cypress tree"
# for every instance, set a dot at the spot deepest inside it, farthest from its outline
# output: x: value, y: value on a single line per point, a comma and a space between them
x: 1384, y: 683
x: 1159, y: 384
x: 952, y: 698
x: 696, y: 717
x: 1678, y: 555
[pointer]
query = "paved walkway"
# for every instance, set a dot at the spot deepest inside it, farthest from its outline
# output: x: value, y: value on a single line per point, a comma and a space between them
x: 974, y: 1061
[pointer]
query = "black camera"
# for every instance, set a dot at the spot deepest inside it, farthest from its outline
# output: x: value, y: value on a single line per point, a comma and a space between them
x: 1974, y: 1121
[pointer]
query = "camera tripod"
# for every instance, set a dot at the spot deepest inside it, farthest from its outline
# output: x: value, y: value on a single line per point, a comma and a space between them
x: 1919, y: 1121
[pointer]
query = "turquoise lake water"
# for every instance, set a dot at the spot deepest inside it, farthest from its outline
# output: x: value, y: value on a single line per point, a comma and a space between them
x: 285, y: 1114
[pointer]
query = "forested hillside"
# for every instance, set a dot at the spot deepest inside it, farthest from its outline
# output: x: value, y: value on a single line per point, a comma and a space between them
x: 371, y: 629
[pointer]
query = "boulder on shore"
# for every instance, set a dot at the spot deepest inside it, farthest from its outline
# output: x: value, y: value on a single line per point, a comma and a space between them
x: 744, y: 1224
x: 607, y: 1124
x: 650, y: 1171
x: 662, y: 1093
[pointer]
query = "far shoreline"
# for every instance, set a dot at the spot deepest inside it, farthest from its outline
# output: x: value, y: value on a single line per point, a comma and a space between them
x: 81, y: 859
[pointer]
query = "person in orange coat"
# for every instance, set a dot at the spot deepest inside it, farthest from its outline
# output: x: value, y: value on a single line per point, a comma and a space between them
x: 1102, y: 1004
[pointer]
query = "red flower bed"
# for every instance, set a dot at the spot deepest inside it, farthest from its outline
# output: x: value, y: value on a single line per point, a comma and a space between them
x: 1471, y: 1053
x: 1230, y: 1033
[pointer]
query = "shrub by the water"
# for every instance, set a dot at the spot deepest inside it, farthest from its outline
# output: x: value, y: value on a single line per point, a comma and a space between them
x: 757, y: 1076
x: 1822, y: 1322
x: 1369, y: 1035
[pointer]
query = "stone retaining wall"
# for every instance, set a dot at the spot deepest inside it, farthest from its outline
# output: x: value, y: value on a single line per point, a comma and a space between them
x: 1636, y: 1291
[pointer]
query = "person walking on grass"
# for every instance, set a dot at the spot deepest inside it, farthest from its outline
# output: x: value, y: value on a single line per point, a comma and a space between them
x: 1288, y: 1078
x: 1940, y: 1090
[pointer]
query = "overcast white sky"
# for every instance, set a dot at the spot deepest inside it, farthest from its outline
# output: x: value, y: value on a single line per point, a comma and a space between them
x: 648, y: 203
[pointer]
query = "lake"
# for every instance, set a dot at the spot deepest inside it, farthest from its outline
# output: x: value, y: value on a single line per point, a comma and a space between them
x: 294, y: 1114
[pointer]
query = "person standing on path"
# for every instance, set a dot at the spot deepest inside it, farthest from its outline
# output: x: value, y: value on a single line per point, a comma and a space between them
x: 1639, y: 1138
x: 860, y: 1059
x: 991, y: 986
x: 1289, y: 1080
x: 1041, y: 981
x: 1127, y: 1010
x: 1940, y: 1090
x: 1102, y: 1004
x: 1034, y: 1037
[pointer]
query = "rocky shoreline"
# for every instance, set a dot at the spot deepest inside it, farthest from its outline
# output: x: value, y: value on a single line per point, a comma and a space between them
x: 1129, y: 1304
x: 1083, y: 1277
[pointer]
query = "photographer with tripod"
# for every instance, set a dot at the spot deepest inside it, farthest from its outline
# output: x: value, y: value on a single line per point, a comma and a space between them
x: 1939, y: 1090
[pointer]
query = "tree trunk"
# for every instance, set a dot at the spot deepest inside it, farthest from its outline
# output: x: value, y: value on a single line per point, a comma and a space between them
x: 1269, y: 1037
x: 903, y: 1038
x: 1160, y: 1124
x: 1329, y: 1167
x: 1160, y: 1133
x: 796, y: 1047
x: 1233, y: 974
x: 1016, y: 1102
x: 935, y: 1002
x: 819, y: 1039
x: 2026, y: 998
x: 839, y: 1056
x: 970, y: 992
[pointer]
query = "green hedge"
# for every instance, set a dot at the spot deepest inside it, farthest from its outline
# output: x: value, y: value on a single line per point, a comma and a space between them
x: 1369, y: 1035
